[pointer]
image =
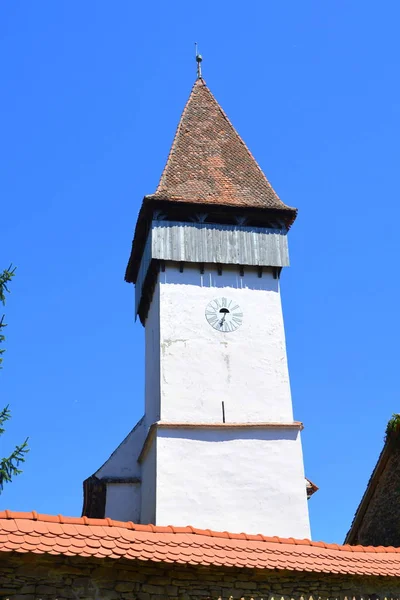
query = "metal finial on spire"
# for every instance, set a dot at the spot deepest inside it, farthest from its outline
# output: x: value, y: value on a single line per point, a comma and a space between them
x: 199, y: 58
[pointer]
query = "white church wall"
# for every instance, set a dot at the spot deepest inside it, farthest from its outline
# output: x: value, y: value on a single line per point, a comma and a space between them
x: 123, y: 461
x: 123, y: 501
x: 148, y: 488
x: 201, y: 367
x: 248, y: 480
x: 152, y: 360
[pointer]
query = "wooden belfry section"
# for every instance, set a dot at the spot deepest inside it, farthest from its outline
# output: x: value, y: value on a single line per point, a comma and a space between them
x: 210, y: 179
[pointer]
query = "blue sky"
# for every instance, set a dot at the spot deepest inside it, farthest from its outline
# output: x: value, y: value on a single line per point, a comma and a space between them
x: 91, y: 93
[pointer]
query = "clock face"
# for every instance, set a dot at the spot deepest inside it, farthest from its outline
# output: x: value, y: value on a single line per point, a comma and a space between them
x: 224, y: 314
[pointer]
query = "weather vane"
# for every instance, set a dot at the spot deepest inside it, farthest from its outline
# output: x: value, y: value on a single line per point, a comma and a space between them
x: 199, y: 58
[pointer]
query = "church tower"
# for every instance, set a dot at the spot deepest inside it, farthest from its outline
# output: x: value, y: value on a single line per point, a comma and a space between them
x: 218, y: 447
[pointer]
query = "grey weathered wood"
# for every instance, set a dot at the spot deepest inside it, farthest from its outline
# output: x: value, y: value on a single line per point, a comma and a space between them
x: 208, y: 243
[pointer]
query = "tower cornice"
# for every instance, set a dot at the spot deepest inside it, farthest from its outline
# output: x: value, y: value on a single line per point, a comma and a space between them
x: 171, y: 425
x: 186, y: 212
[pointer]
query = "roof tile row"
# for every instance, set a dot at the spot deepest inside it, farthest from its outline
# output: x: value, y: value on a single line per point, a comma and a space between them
x: 104, y: 538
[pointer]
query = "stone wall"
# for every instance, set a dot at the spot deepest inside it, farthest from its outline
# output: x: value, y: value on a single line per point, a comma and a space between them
x: 380, y: 525
x: 34, y: 577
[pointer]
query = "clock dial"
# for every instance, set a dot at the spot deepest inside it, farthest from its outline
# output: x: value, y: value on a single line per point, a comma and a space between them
x: 224, y: 314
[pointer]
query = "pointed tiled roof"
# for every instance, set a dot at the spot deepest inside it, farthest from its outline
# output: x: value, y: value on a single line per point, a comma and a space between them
x: 210, y: 170
x: 209, y: 162
x: 103, y: 538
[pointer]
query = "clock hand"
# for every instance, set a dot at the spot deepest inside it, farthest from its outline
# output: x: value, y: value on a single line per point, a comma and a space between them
x: 222, y: 320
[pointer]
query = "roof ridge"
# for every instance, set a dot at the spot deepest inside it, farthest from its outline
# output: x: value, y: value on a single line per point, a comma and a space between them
x: 171, y: 150
x: 107, y: 522
x: 241, y: 140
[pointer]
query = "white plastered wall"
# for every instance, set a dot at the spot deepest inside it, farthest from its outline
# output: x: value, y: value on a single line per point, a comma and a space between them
x: 123, y: 501
x: 123, y: 461
x: 245, y: 479
x: 199, y: 367
x: 249, y: 480
x: 149, y: 485
x: 152, y: 360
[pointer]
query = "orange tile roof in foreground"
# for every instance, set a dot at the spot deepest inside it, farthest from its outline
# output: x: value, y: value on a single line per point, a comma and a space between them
x: 104, y: 538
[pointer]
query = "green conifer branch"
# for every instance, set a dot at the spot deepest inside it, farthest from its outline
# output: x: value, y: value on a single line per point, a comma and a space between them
x: 5, y: 278
x: 8, y: 465
x: 5, y: 414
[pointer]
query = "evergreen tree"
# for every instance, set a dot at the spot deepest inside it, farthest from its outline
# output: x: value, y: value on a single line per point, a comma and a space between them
x: 8, y: 465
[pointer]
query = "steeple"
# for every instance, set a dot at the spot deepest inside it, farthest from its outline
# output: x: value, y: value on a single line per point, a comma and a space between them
x: 209, y: 162
x: 209, y: 168
x: 218, y: 445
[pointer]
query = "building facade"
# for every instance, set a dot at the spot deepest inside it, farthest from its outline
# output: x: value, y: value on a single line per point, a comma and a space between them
x: 218, y: 445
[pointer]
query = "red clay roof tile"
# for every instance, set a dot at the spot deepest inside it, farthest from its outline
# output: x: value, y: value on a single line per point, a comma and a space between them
x: 209, y: 163
x: 33, y: 533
